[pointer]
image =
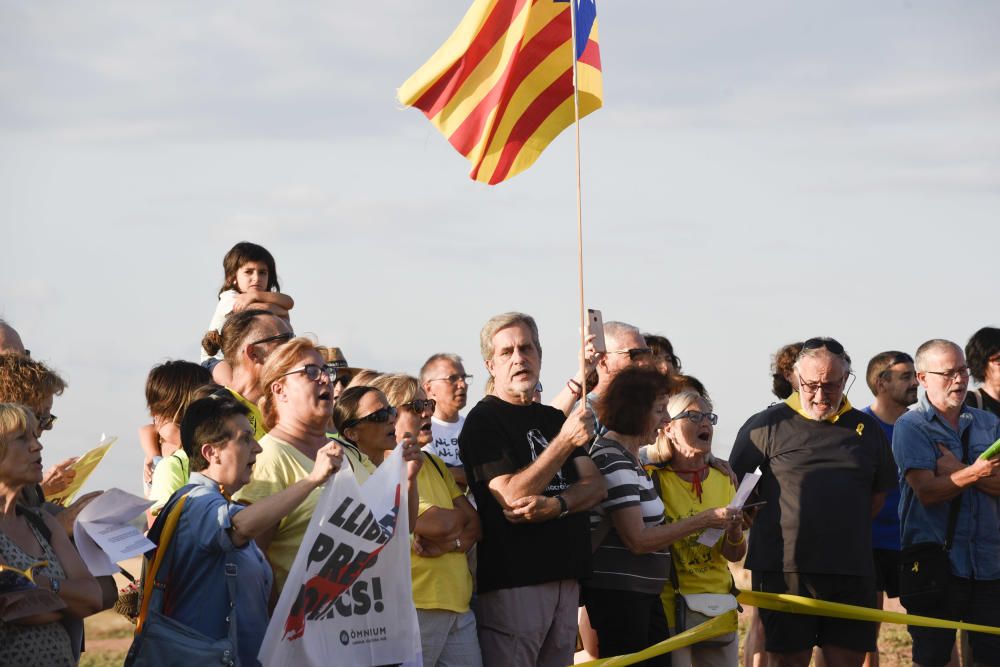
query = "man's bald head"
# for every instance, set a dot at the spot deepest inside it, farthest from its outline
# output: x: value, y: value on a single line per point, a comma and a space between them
x: 10, y: 341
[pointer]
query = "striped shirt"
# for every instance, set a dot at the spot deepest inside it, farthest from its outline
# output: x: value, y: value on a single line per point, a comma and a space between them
x: 615, y: 567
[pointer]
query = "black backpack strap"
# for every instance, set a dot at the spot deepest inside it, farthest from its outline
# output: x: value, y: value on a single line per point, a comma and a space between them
x: 36, y: 520
x: 434, y: 463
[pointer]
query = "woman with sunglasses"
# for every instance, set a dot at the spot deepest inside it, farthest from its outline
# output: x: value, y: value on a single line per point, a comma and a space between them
x: 447, y: 526
x: 366, y: 423
x: 631, y: 562
x: 36, y: 552
x: 689, y: 486
x: 296, y: 406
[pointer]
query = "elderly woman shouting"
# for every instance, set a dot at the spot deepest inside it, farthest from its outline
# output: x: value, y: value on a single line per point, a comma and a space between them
x: 632, y: 537
x: 34, y: 549
x: 214, y: 531
x: 687, y: 487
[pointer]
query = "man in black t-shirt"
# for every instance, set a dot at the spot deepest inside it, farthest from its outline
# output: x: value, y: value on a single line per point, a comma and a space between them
x: 825, y: 470
x: 533, y: 483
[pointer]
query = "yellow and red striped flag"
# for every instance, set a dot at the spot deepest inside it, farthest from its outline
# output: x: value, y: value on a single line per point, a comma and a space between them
x: 501, y: 88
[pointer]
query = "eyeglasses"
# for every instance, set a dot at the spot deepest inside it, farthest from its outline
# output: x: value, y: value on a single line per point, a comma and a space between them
x: 634, y: 353
x: 420, y: 405
x: 380, y: 416
x: 821, y: 342
x: 952, y: 373
x: 313, y: 372
x: 45, y: 423
x: 827, y: 387
x: 697, y: 417
x: 454, y: 379
x: 283, y: 337
x: 12, y: 578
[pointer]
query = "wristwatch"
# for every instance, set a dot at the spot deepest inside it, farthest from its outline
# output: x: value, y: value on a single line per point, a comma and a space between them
x: 563, y: 507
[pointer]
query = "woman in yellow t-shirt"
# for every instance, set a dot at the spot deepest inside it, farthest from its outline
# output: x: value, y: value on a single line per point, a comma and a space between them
x: 687, y: 486
x: 447, y: 527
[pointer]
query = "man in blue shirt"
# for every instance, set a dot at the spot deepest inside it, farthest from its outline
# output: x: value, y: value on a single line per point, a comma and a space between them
x: 893, y: 382
x: 927, y: 445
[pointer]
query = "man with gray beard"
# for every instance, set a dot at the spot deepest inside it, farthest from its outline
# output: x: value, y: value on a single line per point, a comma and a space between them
x: 825, y: 469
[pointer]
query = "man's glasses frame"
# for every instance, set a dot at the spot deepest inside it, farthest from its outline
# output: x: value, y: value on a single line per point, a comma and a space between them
x: 952, y: 373
x: 634, y: 353
x: 454, y: 378
x: 284, y: 337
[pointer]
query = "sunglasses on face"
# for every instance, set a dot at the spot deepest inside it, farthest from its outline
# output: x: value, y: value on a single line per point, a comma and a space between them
x: 454, y: 379
x: 421, y: 405
x: 283, y: 337
x: 46, y: 422
x: 696, y: 417
x: 380, y: 416
x: 634, y: 353
x: 13, y: 579
x: 313, y: 372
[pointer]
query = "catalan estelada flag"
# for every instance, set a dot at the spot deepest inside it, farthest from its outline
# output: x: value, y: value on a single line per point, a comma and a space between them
x: 501, y: 88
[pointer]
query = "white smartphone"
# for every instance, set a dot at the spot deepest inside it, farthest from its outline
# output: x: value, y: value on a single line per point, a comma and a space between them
x: 595, y: 326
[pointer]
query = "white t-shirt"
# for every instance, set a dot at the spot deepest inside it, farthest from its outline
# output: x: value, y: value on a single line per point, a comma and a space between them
x: 226, y: 301
x: 445, y: 443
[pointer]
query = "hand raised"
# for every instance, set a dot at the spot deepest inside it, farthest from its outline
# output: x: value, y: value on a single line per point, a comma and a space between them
x: 329, y: 458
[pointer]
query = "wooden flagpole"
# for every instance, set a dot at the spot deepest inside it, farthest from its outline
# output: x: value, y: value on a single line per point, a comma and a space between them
x: 579, y: 206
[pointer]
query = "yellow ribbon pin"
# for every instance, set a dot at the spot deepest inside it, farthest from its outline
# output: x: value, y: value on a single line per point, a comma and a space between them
x: 860, y: 429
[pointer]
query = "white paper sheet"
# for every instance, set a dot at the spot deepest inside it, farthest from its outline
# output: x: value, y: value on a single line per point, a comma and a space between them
x: 712, y: 535
x: 104, y: 535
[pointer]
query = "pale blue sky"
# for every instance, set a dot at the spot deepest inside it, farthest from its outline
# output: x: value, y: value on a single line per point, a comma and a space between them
x: 761, y: 172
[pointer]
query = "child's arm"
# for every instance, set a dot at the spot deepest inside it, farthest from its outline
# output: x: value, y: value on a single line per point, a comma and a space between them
x: 272, y: 301
x: 149, y: 440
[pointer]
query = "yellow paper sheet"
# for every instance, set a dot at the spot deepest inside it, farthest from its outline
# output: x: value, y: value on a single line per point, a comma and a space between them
x: 83, y: 467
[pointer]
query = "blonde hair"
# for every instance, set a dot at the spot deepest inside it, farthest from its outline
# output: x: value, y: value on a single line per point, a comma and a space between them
x: 398, y: 388
x: 282, y: 360
x: 363, y: 378
x: 15, y: 421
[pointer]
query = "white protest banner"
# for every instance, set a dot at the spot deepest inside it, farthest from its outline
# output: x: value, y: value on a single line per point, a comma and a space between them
x: 348, y: 599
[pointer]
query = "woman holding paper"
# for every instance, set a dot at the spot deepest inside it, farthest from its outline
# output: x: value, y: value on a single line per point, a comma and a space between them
x: 214, y: 531
x: 628, y: 528
x: 687, y: 486
x: 36, y: 556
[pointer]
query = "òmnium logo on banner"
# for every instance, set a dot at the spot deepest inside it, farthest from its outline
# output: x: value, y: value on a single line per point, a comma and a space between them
x: 347, y: 599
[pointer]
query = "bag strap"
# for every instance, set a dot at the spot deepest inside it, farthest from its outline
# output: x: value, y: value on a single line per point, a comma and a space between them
x: 956, y: 503
x: 436, y: 466
x: 35, y: 520
x: 149, y: 578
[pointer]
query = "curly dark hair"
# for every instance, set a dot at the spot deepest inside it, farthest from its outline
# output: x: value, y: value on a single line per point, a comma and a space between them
x: 629, y: 399
x: 782, y: 363
x: 984, y: 344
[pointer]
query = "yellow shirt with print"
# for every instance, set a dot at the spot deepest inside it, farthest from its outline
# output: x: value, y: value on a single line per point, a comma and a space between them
x: 255, y: 418
x: 279, y: 466
x: 700, y: 569
x: 443, y: 582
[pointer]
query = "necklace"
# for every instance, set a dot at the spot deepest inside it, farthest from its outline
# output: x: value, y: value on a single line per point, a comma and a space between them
x: 695, y: 477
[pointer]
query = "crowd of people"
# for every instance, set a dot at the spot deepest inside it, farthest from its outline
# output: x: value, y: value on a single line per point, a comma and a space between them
x: 538, y: 530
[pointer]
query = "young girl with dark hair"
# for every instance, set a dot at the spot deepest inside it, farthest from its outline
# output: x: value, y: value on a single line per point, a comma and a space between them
x: 251, y: 281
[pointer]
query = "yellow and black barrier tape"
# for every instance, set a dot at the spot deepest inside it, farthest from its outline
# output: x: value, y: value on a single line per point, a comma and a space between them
x: 793, y: 604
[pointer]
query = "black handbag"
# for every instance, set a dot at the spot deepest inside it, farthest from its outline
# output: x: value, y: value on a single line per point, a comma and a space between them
x: 925, y: 568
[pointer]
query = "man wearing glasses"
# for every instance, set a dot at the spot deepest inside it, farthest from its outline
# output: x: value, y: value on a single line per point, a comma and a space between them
x: 825, y: 469
x: 534, y: 484
x: 444, y: 379
x: 626, y: 347
x: 950, y: 498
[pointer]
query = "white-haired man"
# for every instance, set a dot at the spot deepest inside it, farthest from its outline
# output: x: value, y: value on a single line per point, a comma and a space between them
x: 825, y: 470
x: 950, y: 499
x: 534, y: 484
x: 445, y: 381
